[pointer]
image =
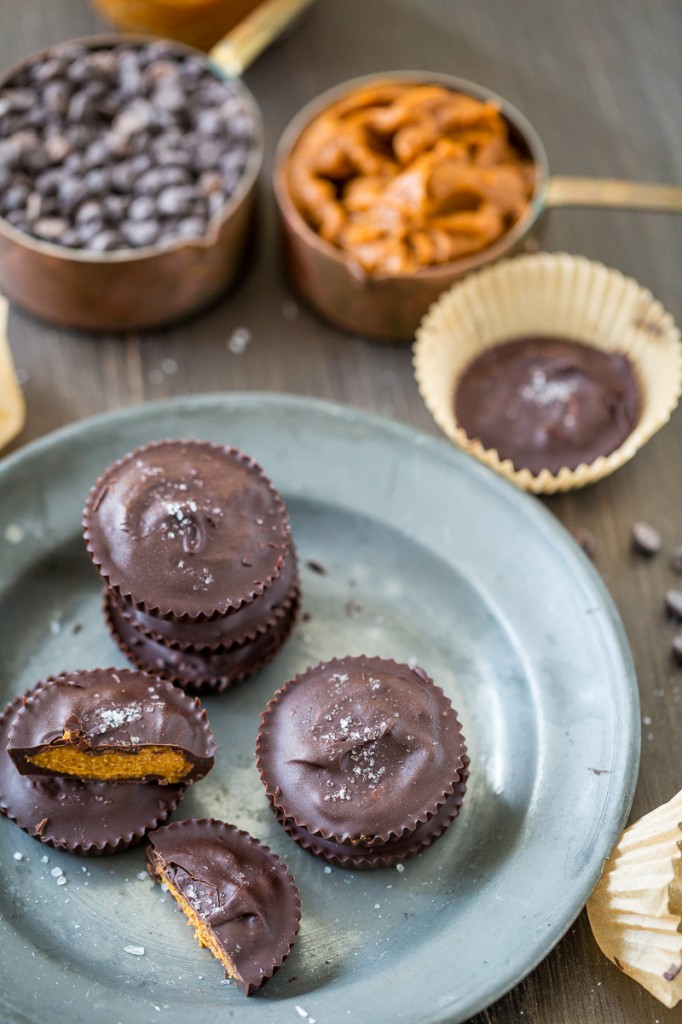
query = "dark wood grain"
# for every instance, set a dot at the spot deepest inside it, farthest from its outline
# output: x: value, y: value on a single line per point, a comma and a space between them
x: 601, y: 82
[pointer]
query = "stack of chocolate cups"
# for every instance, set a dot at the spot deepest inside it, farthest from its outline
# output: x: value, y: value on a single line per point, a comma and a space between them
x: 363, y: 761
x: 194, y: 546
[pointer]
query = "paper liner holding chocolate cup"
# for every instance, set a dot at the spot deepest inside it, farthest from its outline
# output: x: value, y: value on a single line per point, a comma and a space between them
x: 89, y: 818
x: 237, y: 894
x: 187, y: 606
x: 552, y: 294
x: 636, y: 908
x: 367, y: 858
x: 384, y: 823
x: 101, y: 713
x: 202, y: 672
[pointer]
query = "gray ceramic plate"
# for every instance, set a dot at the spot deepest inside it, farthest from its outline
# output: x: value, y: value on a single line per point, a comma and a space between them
x: 427, y: 555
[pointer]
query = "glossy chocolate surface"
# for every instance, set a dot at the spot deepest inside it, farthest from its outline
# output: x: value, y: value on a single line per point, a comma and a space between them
x: 360, y: 749
x: 81, y: 817
x: 240, y: 891
x: 201, y: 670
x: 105, y: 711
x: 548, y: 402
x: 187, y: 529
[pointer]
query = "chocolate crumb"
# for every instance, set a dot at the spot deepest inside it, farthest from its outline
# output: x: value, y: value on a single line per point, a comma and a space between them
x: 585, y: 538
x: 599, y: 771
x: 646, y: 540
x: 315, y: 566
x: 673, y: 604
x: 677, y: 649
x: 76, y: 628
x: 672, y: 972
x: 306, y: 617
x: 676, y: 561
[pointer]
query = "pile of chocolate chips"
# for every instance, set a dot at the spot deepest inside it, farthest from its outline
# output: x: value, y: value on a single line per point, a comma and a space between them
x: 120, y: 147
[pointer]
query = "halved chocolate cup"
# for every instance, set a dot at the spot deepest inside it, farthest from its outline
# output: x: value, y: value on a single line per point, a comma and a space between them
x: 112, y: 725
x: 89, y: 818
x: 237, y: 894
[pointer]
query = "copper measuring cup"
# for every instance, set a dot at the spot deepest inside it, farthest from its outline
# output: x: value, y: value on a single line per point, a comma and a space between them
x: 389, y: 307
x: 128, y: 289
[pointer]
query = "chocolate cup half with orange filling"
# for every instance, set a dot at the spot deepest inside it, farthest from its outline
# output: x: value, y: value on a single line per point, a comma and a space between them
x: 112, y: 725
x: 236, y: 893
x: 363, y: 760
x: 194, y: 545
x: 90, y: 818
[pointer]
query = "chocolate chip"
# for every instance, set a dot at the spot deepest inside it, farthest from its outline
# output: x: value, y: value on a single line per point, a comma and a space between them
x: 676, y: 650
x: 673, y: 604
x: 646, y: 540
x: 585, y: 539
x: 676, y: 561
x: 85, y: 130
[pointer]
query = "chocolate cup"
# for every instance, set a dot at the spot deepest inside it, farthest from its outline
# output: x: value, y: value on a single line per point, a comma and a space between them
x: 89, y: 818
x: 240, y: 626
x: 258, y: 912
x: 381, y: 784
x: 130, y: 289
x: 388, y: 307
x: 199, y: 671
x: 361, y: 857
x: 128, y: 584
x: 111, y: 711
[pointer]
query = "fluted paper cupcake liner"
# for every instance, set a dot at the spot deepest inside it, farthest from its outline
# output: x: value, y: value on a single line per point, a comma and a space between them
x: 556, y: 295
x: 636, y: 908
x: 89, y: 818
x: 125, y: 588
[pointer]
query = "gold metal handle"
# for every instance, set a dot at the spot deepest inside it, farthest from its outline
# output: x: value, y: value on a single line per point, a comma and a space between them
x: 624, y: 195
x: 240, y: 47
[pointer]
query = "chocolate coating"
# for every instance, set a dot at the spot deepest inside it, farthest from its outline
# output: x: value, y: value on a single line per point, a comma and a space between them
x: 360, y: 856
x: 81, y: 817
x: 233, y: 629
x: 546, y: 403
x: 240, y: 891
x: 360, y: 750
x: 104, y: 711
x: 203, y: 671
x: 186, y: 529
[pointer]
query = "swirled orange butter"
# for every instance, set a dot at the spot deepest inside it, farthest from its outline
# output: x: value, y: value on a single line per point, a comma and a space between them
x: 402, y: 176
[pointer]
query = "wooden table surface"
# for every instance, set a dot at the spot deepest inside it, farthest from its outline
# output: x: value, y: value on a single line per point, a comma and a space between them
x: 601, y: 82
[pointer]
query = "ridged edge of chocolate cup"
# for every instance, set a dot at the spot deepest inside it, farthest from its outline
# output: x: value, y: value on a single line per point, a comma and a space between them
x: 383, y: 856
x: 158, y: 610
x: 109, y: 846
x: 209, y: 683
x: 194, y: 707
x: 270, y: 621
x: 287, y: 942
x: 379, y: 838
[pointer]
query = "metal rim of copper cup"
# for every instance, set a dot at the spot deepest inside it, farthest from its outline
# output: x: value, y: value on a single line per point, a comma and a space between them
x: 312, y: 260
x: 129, y: 258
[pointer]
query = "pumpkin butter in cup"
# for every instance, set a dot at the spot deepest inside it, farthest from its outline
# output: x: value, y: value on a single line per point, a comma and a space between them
x: 391, y: 187
x: 551, y: 369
